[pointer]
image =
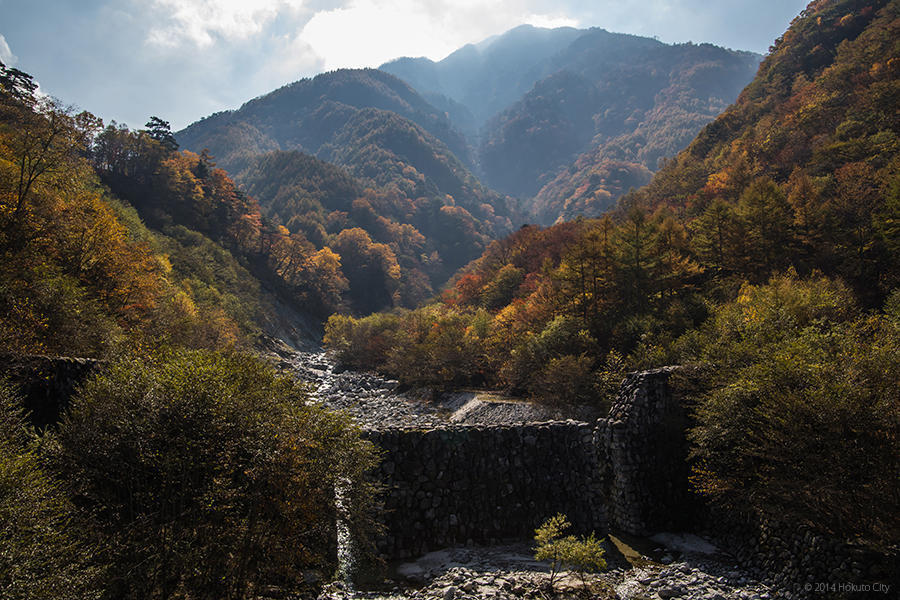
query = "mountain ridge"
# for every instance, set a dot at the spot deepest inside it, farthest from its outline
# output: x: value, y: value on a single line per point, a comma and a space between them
x: 547, y: 109
x: 311, y: 110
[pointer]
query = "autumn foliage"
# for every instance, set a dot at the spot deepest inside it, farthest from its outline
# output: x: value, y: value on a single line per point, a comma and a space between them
x: 767, y: 252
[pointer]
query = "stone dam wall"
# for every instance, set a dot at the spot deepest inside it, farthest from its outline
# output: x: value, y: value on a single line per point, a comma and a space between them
x: 479, y: 484
x: 805, y: 563
x: 643, y: 454
x: 471, y: 484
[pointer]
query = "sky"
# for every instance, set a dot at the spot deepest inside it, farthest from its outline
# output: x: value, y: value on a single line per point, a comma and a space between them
x: 181, y: 60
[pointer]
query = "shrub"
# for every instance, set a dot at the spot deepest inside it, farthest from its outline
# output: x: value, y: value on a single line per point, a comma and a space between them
x: 739, y: 332
x: 803, y: 424
x: 207, y: 476
x: 584, y: 555
x: 566, y: 380
x: 362, y: 343
x: 40, y: 556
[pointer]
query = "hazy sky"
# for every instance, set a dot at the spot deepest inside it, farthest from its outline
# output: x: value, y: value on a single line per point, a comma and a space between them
x: 184, y: 59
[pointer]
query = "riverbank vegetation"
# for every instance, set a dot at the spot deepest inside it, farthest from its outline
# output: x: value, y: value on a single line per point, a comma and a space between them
x: 185, y: 474
x: 183, y: 467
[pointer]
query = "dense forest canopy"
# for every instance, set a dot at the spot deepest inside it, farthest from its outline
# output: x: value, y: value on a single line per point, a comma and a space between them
x: 307, y: 114
x: 615, y: 98
x: 110, y: 234
x: 180, y: 449
x: 403, y: 179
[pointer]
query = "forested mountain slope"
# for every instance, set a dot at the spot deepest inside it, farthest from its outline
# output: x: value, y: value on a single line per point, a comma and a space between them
x: 803, y: 178
x: 614, y: 99
x: 583, y: 114
x: 402, y: 181
x: 82, y: 274
x: 819, y: 128
x: 309, y: 113
x: 395, y: 245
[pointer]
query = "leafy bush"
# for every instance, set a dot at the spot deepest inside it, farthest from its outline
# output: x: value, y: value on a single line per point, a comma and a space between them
x: 803, y: 423
x: 739, y: 332
x: 40, y: 556
x: 362, y: 343
x: 566, y: 380
x: 584, y: 555
x: 207, y: 476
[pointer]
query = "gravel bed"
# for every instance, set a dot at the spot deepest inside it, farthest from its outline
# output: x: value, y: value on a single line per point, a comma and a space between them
x: 509, y: 572
x: 375, y: 401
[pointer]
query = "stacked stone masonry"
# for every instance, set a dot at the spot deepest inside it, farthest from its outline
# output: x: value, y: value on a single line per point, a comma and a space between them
x: 481, y: 484
x: 472, y: 484
x: 643, y: 454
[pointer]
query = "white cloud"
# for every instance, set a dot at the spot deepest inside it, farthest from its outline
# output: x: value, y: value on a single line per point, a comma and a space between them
x: 182, y: 59
x: 292, y: 58
x: 367, y: 33
x: 201, y: 22
x: 371, y: 32
x: 6, y: 55
x: 551, y: 21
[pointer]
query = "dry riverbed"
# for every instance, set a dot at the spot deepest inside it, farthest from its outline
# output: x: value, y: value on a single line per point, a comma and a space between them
x: 510, y: 572
x: 377, y: 402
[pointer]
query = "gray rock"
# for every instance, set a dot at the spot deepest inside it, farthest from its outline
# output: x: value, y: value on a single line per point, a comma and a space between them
x: 669, y: 592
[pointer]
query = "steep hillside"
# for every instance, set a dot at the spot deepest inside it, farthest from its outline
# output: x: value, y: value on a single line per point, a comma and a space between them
x: 820, y: 125
x: 396, y: 244
x: 824, y: 99
x: 398, y: 174
x: 589, y: 186
x: 385, y: 149
x: 307, y: 114
x: 81, y: 274
x: 555, y: 110
x: 614, y: 99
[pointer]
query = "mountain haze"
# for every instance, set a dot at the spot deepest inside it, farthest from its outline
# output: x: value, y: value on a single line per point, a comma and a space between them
x: 482, y: 79
x: 551, y: 111
x: 307, y: 114
x: 614, y: 98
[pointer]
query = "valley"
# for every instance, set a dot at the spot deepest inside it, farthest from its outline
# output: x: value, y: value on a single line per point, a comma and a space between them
x: 567, y: 313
